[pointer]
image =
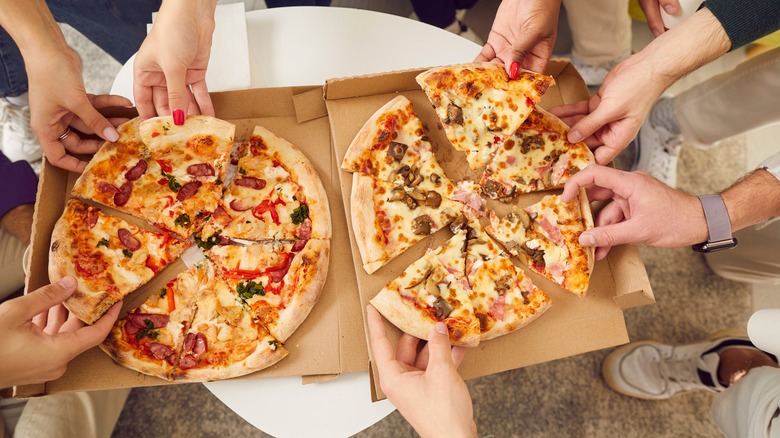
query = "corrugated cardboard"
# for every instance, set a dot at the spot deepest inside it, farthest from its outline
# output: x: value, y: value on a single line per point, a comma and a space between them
x: 573, y: 325
x: 332, y: 340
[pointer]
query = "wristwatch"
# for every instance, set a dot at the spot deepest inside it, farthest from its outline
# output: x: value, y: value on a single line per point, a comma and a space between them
x: 718, y: 225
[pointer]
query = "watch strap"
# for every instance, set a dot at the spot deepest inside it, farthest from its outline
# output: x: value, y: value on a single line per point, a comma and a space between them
x: 718, y: 225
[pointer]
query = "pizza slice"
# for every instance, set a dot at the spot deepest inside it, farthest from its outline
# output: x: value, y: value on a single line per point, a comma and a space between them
x: 503, y: 297
x: 479, y: 106
x: 223, y: 339
x: 391, y: 140
x: 124, y: 176
x: 276, y: 195
x: 536, y: 157
x: 109, y: 257
x: 429, y: 291
x: 545, y: 236
x: 150, y: 338
x: 388, y: 218
x: 279, y: 283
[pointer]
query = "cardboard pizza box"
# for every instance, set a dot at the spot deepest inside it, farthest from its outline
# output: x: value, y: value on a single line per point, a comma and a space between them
x: 572, y: 325
x: 321, y: 121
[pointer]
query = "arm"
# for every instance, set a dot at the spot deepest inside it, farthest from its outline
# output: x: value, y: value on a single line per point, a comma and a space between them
x: 613, y: 116
x: 39, y: 338
x: 56, y: 100
x: 170, y: 68
x: 425, y: 387
x: 523, y: 35
x: 640, y: 206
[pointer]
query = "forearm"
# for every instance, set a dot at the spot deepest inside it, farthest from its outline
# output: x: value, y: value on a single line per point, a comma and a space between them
x: 684, y: 48
x: 18, y: 222
x: 32, y: 26
x: 753, y: 200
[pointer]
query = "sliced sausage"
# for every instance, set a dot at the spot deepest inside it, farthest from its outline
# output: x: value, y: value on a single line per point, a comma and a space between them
x: 157, y: 320
x: 137, y: 171
x: 160, y: 351
x: 240, y: 205
x: 123, y: 196
x: 201, y: 169
x: 251, y: 182
x: 104, y: 187
x: 127, y: 239
x: 188, y: 361
x: 188, y: 190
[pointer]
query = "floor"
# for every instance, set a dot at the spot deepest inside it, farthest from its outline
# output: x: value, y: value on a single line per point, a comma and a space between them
x: 562, y: 398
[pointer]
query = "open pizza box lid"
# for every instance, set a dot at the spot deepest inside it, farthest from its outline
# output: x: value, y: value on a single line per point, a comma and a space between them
x: 572, y: 325
x: 332, y: 340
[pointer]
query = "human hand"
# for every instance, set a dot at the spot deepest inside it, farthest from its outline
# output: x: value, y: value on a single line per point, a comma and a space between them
x: 170, y: 67
x: 641, y: 210
x: 612, y: 117
x: 524, y: 33
x: 39, y: 338
x: 58, y: 102
x: 652, y: 10
x: 426, y: 387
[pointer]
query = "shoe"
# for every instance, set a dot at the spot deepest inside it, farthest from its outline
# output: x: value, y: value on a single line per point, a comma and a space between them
x: 655, y: 371
x: 458, y: 27
x: 18, y: 141
x: 658, y: 152
x: 594, y: 74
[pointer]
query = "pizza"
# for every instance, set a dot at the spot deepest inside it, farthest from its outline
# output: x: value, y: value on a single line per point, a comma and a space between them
x: 545, y: 236
x: 469, y: 284
x: 536, y: 157
x: 108, y: 256
x: 479, y: 106
x: 276, y: 195
x: 176, y: 189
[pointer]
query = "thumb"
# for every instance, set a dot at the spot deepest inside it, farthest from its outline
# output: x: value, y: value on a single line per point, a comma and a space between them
x: 586, y: 126
x: 43, y: 298
x: 95, y: 121
x: 609, y: 235
x: 439, y: 347
x: 178, y: 94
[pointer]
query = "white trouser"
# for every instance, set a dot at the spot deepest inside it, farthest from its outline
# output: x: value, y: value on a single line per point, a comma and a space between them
x: 751, y: 406
x: 600, y: 29
x: 756, y: 259
x: 11, y: 273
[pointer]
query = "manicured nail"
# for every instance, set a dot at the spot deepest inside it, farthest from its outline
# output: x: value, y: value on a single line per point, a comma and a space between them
x: 441, y: 328
x: 67, y: 282
x: 110, y: 134
x: 575, y: 136
x: 178, y: 117
x: 587, y: 240
x: 513, y: 69
x: 669, y: 9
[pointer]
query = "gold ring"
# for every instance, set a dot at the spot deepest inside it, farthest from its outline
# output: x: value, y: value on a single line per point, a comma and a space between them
x: 65, y: 134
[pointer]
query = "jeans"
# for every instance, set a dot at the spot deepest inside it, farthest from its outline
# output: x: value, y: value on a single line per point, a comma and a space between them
x: 439, y: 13
x: 116, y: 26
x: 281, y: 3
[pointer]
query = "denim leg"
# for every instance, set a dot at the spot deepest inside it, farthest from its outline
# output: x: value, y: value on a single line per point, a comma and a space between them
x: 13, y: 77
x: 439, y: 13
x: 282, y: 3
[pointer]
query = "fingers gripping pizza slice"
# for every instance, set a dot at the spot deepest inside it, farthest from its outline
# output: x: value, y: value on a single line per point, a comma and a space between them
x: 545, y: 236
x: 391, y: 140
x: 276, y: 195
x: 479, y: 106
x: 430, y: 290
x: 108, y: 256
x: 536, y: 157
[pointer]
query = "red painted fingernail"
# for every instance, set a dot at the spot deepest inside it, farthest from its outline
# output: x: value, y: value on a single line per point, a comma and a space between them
x: 178, y: 117
x: 513, y: 69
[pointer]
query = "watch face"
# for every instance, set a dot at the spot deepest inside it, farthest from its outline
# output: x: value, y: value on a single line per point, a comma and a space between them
x: 719, y: 245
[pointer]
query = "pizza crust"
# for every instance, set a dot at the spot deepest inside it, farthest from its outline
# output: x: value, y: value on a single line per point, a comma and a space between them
x: 587, y: 219
x: 362, y: 209
x: 125, y: 355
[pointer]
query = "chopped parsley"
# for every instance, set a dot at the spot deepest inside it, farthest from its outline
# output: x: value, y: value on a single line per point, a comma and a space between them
x: 183, y: 220
x: 274, y: 344
x: 163, y: 292
x: 172, y: 183
x: 127, y: 253
x: 248, y: 289
x: 147, y: 332
x: 207, y: 244
x: 300, y: 214
x: 103, y: 242
x: 218, y: 182
x: 241, y: 171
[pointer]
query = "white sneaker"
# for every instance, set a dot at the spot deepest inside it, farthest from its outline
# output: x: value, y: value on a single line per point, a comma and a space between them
x: 458, y: 27
x: 18, y: 141
x: 655, y: 371
x: 658, y: 152
x: 594, y: 74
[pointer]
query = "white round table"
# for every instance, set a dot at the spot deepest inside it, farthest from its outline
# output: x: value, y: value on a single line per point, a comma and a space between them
x: 307, y: 46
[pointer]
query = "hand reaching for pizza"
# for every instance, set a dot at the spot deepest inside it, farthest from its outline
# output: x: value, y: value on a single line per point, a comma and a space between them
x: 652, y: 10
x: 425, y: 387
x: 612, y: 117
x: 170, y: 67
x: 40, y: 338
x: 641, y: 210
x: 524, y: 33
x: 61, y: 103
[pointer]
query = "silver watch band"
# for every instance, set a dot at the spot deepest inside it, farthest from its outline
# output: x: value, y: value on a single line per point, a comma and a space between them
x: 718, y: 224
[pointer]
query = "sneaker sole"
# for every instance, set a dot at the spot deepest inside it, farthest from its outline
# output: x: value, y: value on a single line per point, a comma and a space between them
x: 606, y: 365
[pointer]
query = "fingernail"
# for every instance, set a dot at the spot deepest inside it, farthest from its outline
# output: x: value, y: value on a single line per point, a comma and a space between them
x: 575, y: 136
x: 110, y: 134
x: 669, y: 9
x: 67, y: 282
x: 587, y: 240
x: 441, y: 328
x: 178, y: 117
x: 513, y: 69
x: 656, y: 33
